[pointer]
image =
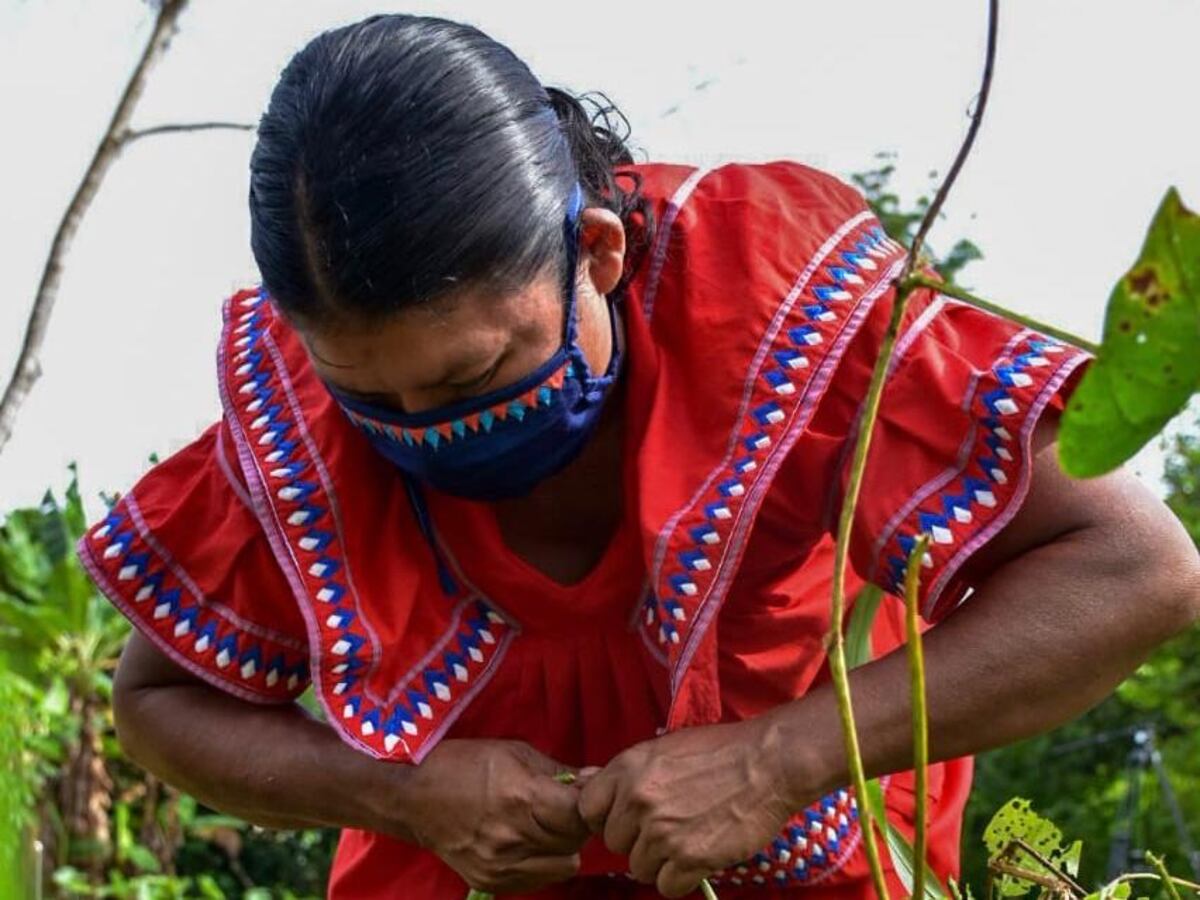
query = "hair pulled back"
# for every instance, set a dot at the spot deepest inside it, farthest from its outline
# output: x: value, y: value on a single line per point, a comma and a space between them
x: 405, y: 157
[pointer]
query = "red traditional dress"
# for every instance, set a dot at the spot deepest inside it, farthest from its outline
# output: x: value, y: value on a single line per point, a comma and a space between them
x: 280, y: 550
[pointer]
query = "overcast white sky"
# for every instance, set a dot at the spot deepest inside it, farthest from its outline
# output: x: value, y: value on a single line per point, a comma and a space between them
x: 1094, y: 114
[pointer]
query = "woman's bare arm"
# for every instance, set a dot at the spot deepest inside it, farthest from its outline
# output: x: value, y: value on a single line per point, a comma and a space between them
x: 271, y: 765
x: 1077, y: 590
x: 1082, y: 585
x: 492, y: 810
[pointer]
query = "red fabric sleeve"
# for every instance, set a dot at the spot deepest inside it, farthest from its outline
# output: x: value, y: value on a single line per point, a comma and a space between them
x: 950, y: 453
x: 183, y: 557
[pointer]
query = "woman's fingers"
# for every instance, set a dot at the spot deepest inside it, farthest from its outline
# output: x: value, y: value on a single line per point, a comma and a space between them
x: 596, y: 799
x: 676, y: 880
x: 529, y: 874
x: 645, y: 859
x: 554, y: 813
x: 622, y: 828
x: 605, y: 808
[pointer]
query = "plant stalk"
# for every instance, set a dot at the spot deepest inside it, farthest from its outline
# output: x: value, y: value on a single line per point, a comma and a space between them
x: 1167, y: 880
x: 1150, y: 876
x: 964, y: 150
x: 836, y: 639
x: 951, y: 290
x: 920, y: 715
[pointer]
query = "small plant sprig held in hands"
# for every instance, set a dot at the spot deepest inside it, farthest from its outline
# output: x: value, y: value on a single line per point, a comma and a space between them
x: 569, y: 778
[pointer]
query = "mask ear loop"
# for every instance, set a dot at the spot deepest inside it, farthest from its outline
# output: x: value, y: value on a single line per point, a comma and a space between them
x: 571, y: 239
x: 416, y: 499
x: 572, y: 230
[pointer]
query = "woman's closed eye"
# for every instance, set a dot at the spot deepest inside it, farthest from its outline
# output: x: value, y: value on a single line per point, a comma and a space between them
x: 477, y: 383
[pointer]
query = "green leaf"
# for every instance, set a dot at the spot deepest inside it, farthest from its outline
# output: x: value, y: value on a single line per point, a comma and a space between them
x: 900, y: 849
x: 57, y: 698
x: 858, y: 629
x: 1117, y: 890
x: 1070, y: 860
x: 1149, y: 362
x: 1016, y: 820
x: 143, y: 858
x: 72, y: 880
x: 73, y: 512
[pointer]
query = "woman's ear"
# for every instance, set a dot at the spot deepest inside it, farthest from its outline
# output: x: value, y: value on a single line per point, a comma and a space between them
x: 602, y: 247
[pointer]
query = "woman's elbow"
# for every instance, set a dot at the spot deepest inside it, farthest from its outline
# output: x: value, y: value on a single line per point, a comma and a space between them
x: 129, y: 715
x: 1164, y: 573
x: 143, y: 675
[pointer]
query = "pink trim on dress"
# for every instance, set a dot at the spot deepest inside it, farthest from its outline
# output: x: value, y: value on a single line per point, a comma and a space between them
x: 1010, y: 509
x: 96, y: 573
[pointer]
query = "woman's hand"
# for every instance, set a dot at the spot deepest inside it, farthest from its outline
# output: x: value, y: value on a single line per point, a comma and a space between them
x: 684, y: 805
x: 494, y: 813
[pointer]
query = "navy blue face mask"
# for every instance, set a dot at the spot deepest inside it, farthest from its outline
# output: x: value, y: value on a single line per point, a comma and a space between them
x: 501, y: 444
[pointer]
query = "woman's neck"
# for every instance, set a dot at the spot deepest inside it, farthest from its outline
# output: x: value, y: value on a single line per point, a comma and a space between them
x: 565, y: 524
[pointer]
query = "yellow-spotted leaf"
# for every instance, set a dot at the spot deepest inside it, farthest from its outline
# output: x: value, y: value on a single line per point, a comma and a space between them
x: 1149, y: 361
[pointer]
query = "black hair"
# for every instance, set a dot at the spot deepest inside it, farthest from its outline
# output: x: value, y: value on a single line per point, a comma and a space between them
x: 405, y: 157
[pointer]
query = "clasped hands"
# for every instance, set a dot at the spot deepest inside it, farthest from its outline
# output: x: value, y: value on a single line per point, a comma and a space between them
x: 680, y: 807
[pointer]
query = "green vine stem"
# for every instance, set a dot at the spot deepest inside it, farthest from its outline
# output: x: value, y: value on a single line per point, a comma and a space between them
x: 836, y: 638
x: 1167, y: 880
x: 1151, y: 876
x: 920, y: 717
x: 951, y: 290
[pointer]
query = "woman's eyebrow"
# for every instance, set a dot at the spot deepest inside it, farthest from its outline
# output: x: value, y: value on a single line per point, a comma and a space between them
x: 447, y: 379
x: 313, y: 350
x: 468, y: 371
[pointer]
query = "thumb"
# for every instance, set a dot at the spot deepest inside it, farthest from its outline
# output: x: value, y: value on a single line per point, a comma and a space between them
x: 596, y: 800
x: 539, y: 763
x: 584, y: 775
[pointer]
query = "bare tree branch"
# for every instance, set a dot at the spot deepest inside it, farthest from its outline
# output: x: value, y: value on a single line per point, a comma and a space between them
x: 27, y: 369
x: 130, y: 135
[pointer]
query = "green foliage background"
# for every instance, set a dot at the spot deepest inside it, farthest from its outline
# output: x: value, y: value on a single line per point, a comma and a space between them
x: 108, y: 828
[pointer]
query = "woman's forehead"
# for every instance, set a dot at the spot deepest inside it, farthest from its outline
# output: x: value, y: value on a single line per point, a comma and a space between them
x: 434, y: 342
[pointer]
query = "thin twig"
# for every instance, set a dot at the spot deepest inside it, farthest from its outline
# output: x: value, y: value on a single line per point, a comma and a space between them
x: 953, y: 290
x: 862, y: 446
x: 1168, y: 882
x: 27, y: 368
x: 1012, y: 869
x: 131, y: 135
x: 1152, y: 876
x: 920, y: 718
x: 964, y: 151
x: 1045, y: 861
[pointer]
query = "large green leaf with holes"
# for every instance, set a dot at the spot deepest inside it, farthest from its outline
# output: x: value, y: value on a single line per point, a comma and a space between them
x: 1149, y: 361
x: 1017, y: 821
